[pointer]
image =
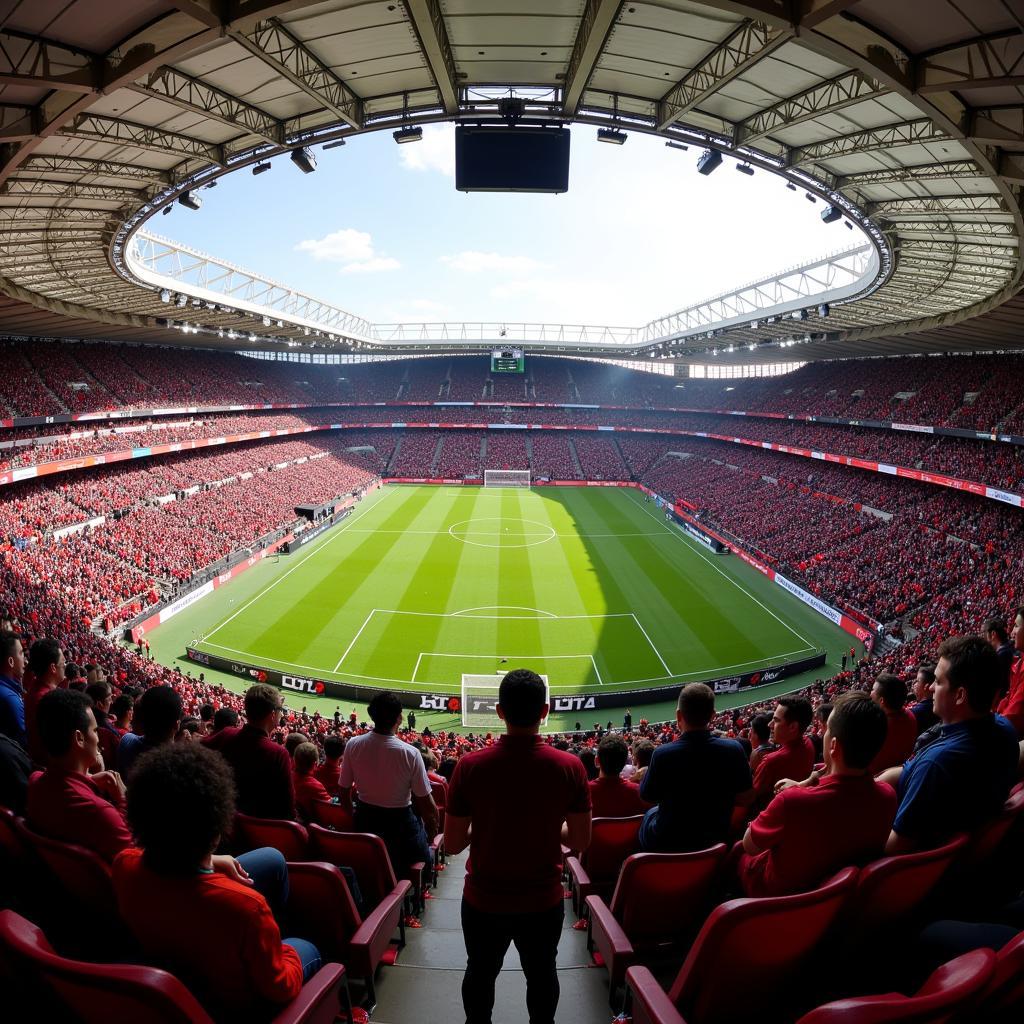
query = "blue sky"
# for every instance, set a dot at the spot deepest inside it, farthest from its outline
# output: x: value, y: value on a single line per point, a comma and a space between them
x: 379, y: 230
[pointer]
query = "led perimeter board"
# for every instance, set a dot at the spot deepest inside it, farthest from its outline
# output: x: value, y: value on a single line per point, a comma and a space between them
x: 507, y: 360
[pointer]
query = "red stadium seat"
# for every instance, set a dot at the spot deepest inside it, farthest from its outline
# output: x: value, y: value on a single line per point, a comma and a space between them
x: 289, y: 837
x: 320, y: 909
x: 658, y: 904
x: 950, y: 992
x: 769, y: 941
x: 1004, y: 997
x: 112, y: 993
x: 596, y: 871
x: 331, y: 815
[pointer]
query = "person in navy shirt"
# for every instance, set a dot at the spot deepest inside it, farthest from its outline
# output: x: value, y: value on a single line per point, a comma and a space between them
x: 923, y: 708
x: 12, y: 694
x: 695, y: 781
x: 962, y: 778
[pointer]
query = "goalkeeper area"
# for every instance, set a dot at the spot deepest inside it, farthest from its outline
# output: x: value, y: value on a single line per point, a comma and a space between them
x: 590, y: 587
x: 506, y: 478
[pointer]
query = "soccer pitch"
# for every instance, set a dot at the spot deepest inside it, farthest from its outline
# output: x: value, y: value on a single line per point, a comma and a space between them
x: 589, y: 586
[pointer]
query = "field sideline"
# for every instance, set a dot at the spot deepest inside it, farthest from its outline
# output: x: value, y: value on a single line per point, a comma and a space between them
x: 587, y: 585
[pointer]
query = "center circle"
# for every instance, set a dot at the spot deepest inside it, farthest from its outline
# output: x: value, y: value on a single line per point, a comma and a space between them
x: 499, y: 535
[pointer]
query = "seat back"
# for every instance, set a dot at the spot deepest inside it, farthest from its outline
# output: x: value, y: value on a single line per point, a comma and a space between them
x: 986, y: 840
x: 662, y: 897
x: 254, y: 833
x: 949, y: 992
x: 321, y: 909
x: 332, y: 816
x: 1005, y: 992
x: 97, y: 993
x: 364, y: 853
x: 769, y: 940
x: 612, y: 840
x: 81, y: 872
x: 890, y: 889
x: 439, y: 791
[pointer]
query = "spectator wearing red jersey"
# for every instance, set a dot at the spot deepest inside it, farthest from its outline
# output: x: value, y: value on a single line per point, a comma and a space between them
x: 122, y: 709
x: 46, y: 665
x: 889, y: 692
x: 216, y: 932
x: 810, y: 831
x: 309, y: 791
x: 327, y: 772
x: 512, y: 804
x: 610, y: 795
x: 66, y: 802
x: 1011, y: 707
x: 794, y: 757
x: 262, y: 768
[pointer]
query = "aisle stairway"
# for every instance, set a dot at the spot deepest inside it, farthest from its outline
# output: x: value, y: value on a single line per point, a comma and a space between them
x: 425, y: 983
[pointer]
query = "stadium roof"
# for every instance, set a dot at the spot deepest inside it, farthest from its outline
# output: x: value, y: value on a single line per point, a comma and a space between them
x: 908, y: 115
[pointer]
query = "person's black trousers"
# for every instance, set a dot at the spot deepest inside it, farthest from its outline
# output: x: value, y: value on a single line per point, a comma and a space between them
x: 488, y: 937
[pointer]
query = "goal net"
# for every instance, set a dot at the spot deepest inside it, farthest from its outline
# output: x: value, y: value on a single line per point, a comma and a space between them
x: 480, y: 700
x: 506, y: 478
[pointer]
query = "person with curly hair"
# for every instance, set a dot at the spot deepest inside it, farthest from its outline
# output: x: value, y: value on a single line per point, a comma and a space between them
x: 216, y: 932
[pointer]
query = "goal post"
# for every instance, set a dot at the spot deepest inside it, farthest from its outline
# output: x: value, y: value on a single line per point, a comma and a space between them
x: 506, y: 478
x: 480, y: 700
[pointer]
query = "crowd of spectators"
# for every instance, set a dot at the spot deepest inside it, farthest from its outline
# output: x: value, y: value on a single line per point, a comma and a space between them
x: 460, y: 455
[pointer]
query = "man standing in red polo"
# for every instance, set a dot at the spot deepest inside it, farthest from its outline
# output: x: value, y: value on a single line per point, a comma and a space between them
x: 513, y: 804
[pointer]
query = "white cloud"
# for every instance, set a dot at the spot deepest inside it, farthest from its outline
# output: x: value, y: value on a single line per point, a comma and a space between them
x: 472, y: 262
x: 372, y: 266
x: 350, y: 247
x: 436, y: 151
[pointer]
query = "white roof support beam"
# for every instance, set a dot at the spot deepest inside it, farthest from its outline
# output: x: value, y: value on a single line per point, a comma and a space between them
x: 45, y: 163
x: 428, y: 21
x: 272, y: 43
x: 595, y: 25
x: 906, y: 133
x: 900, y: 175
x: 740, y: 51
x: 126, y: 133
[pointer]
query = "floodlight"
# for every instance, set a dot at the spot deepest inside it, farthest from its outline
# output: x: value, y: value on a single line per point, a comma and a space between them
x: 790, y: 186
x: 677, y: 145
x: 831, y: 214
x: 612, y: 135
x: 261, y: 168
x: 745, y: 169
x: 182, y: 300
x: 303, y: 158
x: 166, y: 210
x: 165, y: 295
x: 800, y: 314
x: 190, y: 201
x: 824, y: 309
x: 404, y: 135
x: 810, y: 198
x: 709, y: 161
x: 333, y: 145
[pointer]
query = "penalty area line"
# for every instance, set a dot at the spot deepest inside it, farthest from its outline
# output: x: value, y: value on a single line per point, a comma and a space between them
x: 352, y: 643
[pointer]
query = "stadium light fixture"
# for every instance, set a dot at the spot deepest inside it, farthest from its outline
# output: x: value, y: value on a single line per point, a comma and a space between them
x: 824, y: 309
x: 303, y: 158
x: 790, y: 186
x: 611, y: 135
x: 190, y: 201
x: 182, y: 300
x: 849, y: 226
x: 800, y: 314
x: 166, y: 210
x: 745, y: 169
x: 677, y: 145
x: 831, y: 214
x: 165, y: 295
x: 709, y: 162
x: 404, y: 135
x: 261, y: 168
x: 810, y: 198
x: 333, y: 145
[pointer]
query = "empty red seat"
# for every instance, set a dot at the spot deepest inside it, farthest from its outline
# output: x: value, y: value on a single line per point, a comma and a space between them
x: 254, y: 833
x: 597, y: 869
x: 658, y: 904
x: 950, y: 992
x: 112, y: 993
x: 1004, y: 997
x: 748, y: 950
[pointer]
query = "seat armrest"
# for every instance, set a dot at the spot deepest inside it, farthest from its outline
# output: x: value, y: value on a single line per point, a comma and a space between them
x: 580, y: 882
x: 650, y: 1003
x: 374, y: 935
x: 319, y: 1002
x: 611, y: 941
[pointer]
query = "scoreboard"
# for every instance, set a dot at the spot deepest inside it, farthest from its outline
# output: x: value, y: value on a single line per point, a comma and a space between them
x: 507, y: 360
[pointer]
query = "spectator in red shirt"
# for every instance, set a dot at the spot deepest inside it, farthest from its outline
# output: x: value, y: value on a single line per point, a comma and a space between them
x: 1011, y: 707
x: 122, y: 708
x: 889, y: 692
x: 46, y: 664
x: 66, y: 802
x: 263, y: 769
x: 610, y: 795
x: 327, y: 772
x: 810, y: 831
x: 216, y: 932
x: 794, y: 757
x: 308, y: 789
x: 513, y: 804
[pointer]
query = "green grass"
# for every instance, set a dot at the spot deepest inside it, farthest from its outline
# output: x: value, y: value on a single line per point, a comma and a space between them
x: 589, y: 586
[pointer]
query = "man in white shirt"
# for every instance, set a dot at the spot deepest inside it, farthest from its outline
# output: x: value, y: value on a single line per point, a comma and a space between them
x: 389, y: 778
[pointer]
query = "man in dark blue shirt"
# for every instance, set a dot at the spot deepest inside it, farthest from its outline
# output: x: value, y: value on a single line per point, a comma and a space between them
x: 12, y: 695
x: 962, y: 778
x: 694, y: 781
x: 923, y: 708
